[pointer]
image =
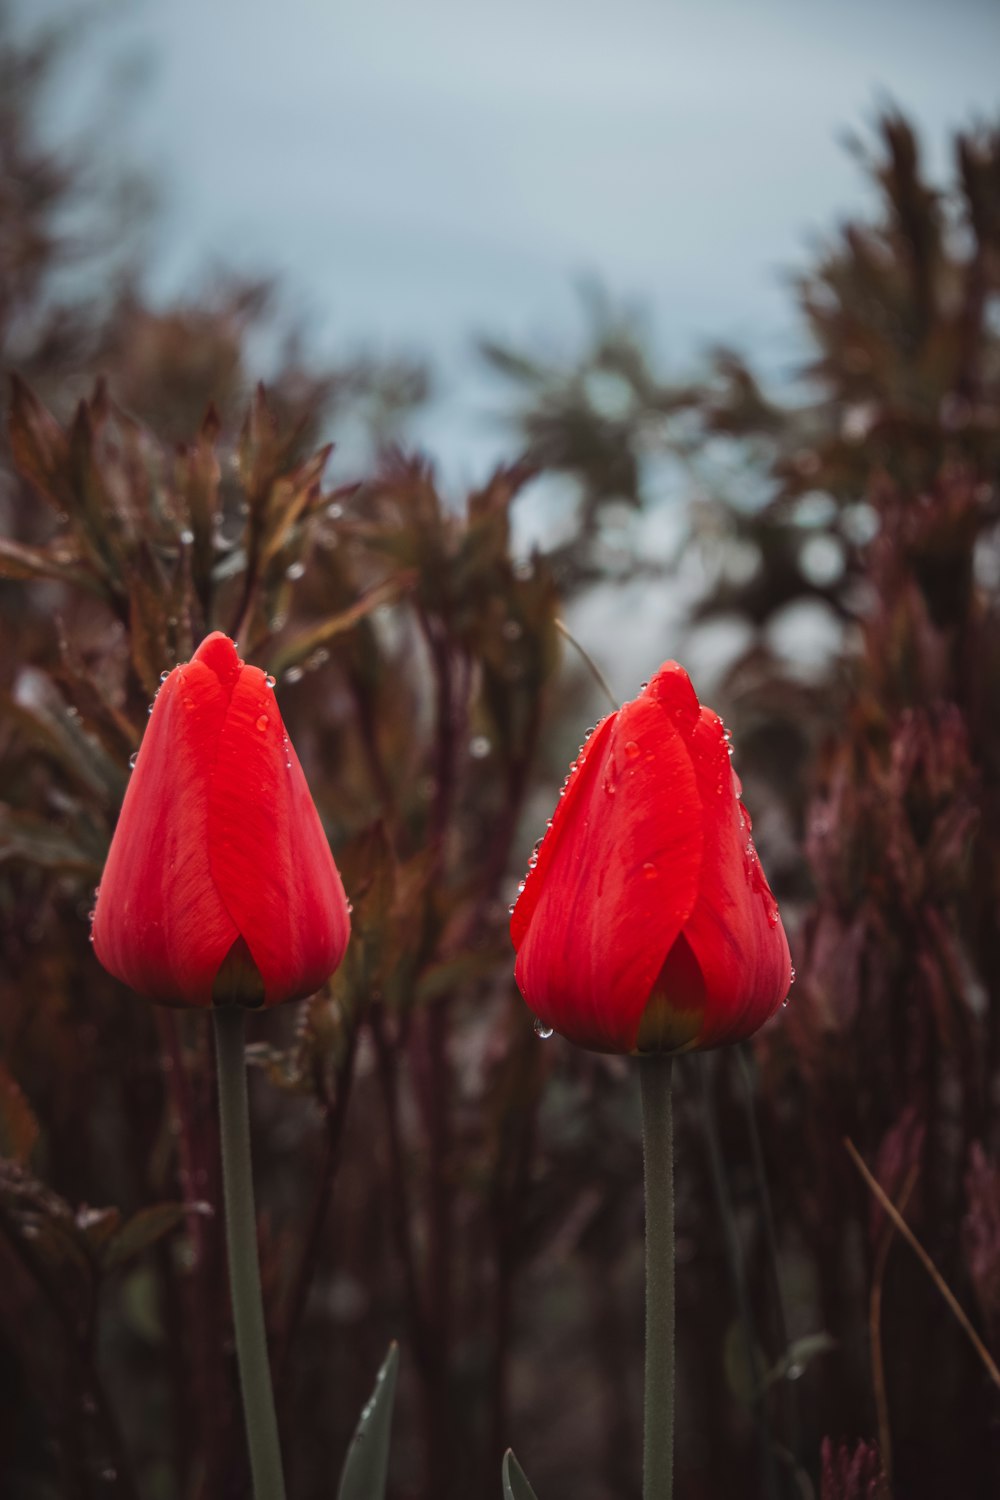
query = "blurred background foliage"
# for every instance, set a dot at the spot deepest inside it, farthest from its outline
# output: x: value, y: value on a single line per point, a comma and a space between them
x: 427, y: 1169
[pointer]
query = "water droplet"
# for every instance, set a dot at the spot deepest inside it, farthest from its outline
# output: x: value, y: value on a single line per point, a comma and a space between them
x: 295, y: 570
x: 650, y: 871
x: 164, y: 676
x: 262, y: 723
x: 520, y: 886
x: 479, y: 747
x: 132, y: 760
x: 269, y: 680
x: 631, y: 749
x: 149, y: 710
x: 772, y: 916
x: 791, y: 979
x: 189, y: 703
x: 510, y: 909
x: 541, y: 1030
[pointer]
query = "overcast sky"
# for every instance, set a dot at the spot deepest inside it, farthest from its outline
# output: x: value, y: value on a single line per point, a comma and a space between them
x: 419, y: 172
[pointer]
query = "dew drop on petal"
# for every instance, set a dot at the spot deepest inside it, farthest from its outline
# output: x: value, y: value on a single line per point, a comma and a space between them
x: 510, y: 909
x: 164, y: 676
x: 631, y: 749
x: 269, y: 680
x: 132, y: 760
x: 541, y: 1030
x: 650, y: 871
x: 262, y: 723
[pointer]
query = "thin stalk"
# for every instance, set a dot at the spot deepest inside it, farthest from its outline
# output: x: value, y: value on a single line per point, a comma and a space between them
x: 734, y: 1255
x: 989, y: 1363
x: 590, y: 663
x: 244, y: 1268
x: 790, y: 1397
x: 655, y: 1072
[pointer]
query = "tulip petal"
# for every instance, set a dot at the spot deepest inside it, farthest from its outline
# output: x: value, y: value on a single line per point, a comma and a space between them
x: 160, y: 925
x: 734, y: 931
x: 616, y: 880
x: 289, y: 907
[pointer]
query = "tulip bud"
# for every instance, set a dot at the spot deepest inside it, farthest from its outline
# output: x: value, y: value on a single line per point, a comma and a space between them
x: 219, y: 886
x: 646, y: 923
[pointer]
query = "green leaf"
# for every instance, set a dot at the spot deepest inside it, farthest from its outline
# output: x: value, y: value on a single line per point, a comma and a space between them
x: 300, y: 646
x: 367, y: 1463
x: 798, y: 1355
x: 141, y: 1231
x: 515, y: 1482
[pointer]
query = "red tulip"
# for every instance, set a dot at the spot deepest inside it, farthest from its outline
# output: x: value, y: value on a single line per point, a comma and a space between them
x: 645, y: 922
x: 219, y: 884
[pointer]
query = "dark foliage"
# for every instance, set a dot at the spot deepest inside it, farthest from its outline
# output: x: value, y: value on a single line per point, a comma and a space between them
x: 427, y: 1170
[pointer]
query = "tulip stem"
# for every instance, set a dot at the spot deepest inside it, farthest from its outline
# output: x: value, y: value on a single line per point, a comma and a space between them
x: 244, y: 1267
x: 655, y: 1071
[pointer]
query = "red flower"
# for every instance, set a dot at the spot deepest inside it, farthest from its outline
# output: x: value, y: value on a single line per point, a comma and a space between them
x: 219, y: 883
x: 645, y: 922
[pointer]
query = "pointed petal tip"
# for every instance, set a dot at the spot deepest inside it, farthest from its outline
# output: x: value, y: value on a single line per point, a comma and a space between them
x: 219, y: 653
x: 671, y: 687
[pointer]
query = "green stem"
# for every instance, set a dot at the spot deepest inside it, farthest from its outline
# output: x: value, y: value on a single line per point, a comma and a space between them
x: 244, y: 1269
x: 658, y: 1160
